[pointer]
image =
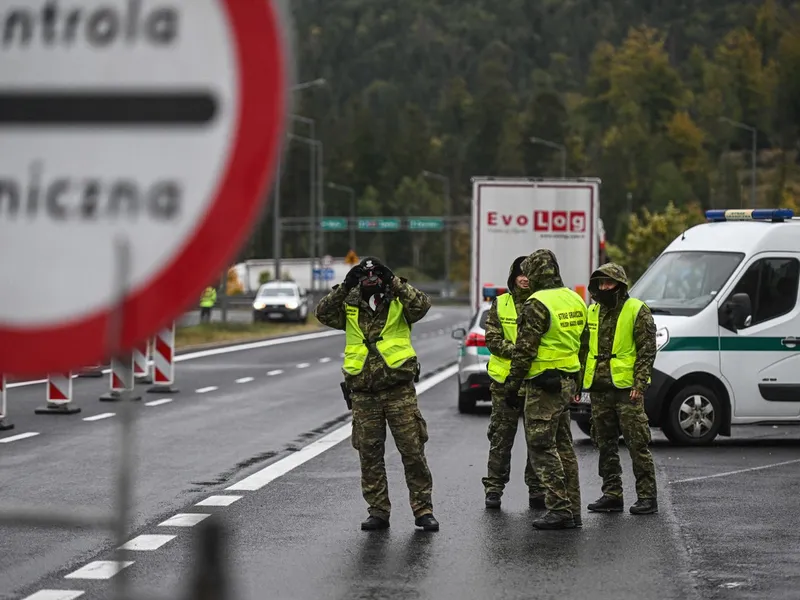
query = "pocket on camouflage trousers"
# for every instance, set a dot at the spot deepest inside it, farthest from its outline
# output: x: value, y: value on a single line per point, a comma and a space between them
x: 423, y: 426
x: 354, y: 437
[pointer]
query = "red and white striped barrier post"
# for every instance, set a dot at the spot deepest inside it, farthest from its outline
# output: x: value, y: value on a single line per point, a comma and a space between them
x: 59, y: 396
x: 141, y: 363
x: 5, y: 424
x: 164, y: 362
x: 122, y: 380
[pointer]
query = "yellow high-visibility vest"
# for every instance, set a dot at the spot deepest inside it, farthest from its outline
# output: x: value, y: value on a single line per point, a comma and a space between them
x: 560, y: 346
x: 623, y: 351
x: 394, y: 344
x: 498, y: 367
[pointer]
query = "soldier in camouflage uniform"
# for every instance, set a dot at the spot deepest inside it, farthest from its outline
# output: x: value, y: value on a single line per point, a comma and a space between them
x: 618, y: 349
x: 505, y: 419
x: 376, y: 311
x: 545, y: 360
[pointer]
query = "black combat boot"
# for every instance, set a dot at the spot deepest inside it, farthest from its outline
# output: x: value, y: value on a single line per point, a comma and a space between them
x: 607, y: 504
x: 647, y: 506
x: 555, y: 520
x: 493, y: 500
x: 374, y: 523
x: 427, y: 522
x: 578, y: 521
x: 537, y: 502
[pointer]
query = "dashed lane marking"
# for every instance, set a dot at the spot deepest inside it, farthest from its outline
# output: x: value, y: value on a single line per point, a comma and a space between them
x: 158, y: 402
x: 55, y: 595
x: 303, y: 365
x: 147, y: 542
x: 21, y: 436
x: 245, y: 380
x: 260, y: 478
x: 100, y: 417
x: 325, y: 360
x: 218, y: 501
x: 99, y: 569
x: 205, y: 390
x: 275, y: 372
x: 184, y: 520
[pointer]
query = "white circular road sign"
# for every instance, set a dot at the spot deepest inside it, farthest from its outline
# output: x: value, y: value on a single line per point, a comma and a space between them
x: 138, y: 138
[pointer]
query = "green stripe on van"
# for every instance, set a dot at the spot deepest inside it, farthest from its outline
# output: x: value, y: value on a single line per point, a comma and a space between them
x: 735, y: 344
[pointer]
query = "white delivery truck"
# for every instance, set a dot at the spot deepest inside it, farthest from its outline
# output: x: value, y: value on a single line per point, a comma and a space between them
x: 514, y: 217
x: 724, y: 296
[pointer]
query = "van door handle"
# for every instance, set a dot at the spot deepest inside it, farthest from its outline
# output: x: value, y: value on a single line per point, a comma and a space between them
x: 790, y: 342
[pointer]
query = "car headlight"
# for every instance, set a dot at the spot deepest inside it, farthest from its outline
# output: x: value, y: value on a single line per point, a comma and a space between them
x: 259, y: 305
x: 662, y: 337
x: 291, y: 305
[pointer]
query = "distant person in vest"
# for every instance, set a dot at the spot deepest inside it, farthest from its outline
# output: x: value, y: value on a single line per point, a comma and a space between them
x: 207, y: 302
x: 618, y: 349
x: 376, y: 311
x: 545, y: 361
x: 501, y: 334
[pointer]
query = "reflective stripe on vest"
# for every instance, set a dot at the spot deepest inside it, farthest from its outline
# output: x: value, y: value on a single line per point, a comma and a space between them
x: 498, y: 367
x: 560, y: 346
x: 623, y: 351
x: 394, y: 344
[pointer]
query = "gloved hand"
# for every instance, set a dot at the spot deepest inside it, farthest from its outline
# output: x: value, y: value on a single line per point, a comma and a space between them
x: 387, y: 274
x: 511, y: 397
x: 352, y: 278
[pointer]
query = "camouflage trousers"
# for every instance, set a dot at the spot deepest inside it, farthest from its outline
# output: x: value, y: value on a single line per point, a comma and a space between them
x: 502, y: 431
x: 396, y: 406
x: 613, y: 414
x: 549, y: 437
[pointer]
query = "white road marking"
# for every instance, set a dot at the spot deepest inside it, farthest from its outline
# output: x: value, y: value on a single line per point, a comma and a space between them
x: 55, y: 595
x: 147, y: 542
x: 325, y: 360
x: 259, y: 479
x: 727, y: 473
x: 218, y: 501
x: 341, y: 355
x: 245, y: 380
x: 100, y: 417
x: 275, y: 372
x: 303, y: 366
x: 184, y: 520
x: 205, y: 390
x: 158, y: 402
x: 21, y: 436
x: 99, y: 569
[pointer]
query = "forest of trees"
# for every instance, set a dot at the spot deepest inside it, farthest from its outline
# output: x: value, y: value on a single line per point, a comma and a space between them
x: 635, y: 89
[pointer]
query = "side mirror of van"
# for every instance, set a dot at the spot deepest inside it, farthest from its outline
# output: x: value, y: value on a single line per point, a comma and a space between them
x: 737, y: 312
x: 459, y: 334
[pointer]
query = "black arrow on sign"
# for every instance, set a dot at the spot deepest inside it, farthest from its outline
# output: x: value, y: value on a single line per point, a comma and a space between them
x: 109, y: 108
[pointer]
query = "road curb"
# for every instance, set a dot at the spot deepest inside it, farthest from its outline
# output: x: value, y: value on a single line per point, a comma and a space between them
x: 216, y: 345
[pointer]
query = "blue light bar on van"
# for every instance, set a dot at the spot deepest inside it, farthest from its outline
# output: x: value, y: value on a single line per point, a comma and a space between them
x: 492, y: 292
x: 775, y: 215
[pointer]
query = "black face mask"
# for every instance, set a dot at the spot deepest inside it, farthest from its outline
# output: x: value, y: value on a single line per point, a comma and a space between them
x: 607, y: 298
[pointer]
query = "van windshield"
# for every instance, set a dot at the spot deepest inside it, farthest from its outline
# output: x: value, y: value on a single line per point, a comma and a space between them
x: 683, y: 283
x: 282, y: 292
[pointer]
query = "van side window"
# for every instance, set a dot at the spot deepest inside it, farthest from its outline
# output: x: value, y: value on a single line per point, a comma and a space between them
x: 772, y: 285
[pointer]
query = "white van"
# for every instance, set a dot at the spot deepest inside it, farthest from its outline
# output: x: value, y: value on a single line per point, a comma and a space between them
x: 724, y: 296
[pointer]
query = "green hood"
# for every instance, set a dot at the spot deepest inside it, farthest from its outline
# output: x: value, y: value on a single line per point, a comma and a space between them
x: 541, y: 269
x: 610, y: 271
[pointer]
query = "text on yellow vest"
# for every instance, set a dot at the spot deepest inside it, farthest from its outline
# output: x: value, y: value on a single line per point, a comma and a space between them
x: 623, y: 351
x: 394, y: 343
x: 560, y: 345
x: 498, y: 367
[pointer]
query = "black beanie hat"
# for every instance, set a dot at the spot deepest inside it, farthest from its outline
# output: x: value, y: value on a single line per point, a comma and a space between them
x: 514, y: 272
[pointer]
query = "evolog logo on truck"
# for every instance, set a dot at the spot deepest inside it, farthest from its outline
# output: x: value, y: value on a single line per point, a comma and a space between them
x: 563, y: 221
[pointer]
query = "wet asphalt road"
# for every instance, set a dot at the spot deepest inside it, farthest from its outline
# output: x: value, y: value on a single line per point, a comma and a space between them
x: 297, y: 537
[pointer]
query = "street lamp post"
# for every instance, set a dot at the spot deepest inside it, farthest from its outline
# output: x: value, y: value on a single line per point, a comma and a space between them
x: 314, y: 144
x: 351, y: 227
x: 754, y: 150
x: 448, y: 235
x: 561, y: 147
x: 308, y: 84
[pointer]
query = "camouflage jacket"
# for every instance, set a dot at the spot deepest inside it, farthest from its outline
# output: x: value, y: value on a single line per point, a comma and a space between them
x: 376, y: 376
x: 496, y: 342
x: 644, y: 336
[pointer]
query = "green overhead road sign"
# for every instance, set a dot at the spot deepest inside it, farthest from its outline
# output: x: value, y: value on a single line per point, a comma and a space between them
x: 379, y: 224
x: 426, y: 224
x: 333, y: 224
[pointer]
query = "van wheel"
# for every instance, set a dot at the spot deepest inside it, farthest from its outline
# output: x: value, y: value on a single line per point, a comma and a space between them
x: 466, y: 402
x: 694, y: 416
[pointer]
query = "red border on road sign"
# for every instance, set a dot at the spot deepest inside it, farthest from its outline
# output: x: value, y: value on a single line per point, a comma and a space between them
x: 261, y: 56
